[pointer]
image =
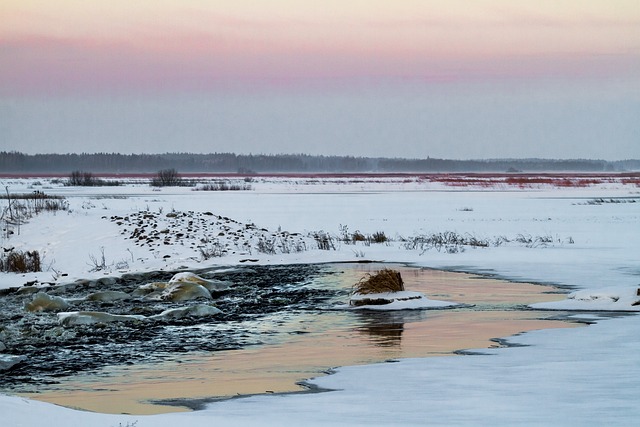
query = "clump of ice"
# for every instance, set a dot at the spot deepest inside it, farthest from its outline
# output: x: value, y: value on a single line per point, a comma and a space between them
x: 108, y: 296
x: 211, y: 285
x: 45, y: 302
x: 184, y: 286
x: 606, y: 299
x: 73, y: 318
x: 151, y: 290
x: 184, y: 291
x: 403, y: 300
x: 199, y: 310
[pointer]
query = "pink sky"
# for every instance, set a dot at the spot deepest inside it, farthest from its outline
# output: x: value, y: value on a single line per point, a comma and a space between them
x: 78, y: 46
x: 417, y: 78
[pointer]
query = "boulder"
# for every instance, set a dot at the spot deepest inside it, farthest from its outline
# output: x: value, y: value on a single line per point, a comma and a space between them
x: 7, y: 361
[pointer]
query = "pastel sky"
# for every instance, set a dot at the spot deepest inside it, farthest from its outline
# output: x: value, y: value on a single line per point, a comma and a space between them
x: 398, y: 78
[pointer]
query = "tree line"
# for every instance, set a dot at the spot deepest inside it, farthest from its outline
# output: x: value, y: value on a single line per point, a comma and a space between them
x: 246, y: 164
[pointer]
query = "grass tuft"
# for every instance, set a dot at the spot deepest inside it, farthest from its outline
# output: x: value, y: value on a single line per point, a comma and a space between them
x: 20, y: 262
x: 385, y: 280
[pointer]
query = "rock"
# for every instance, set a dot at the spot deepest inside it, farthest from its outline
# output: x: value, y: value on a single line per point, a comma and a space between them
x: 106, y: 281
x: 7, y: 361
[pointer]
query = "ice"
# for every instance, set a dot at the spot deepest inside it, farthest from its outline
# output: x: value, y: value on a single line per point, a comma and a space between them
x: 44, y: 302
x: 198, y: 310
x: 605, y: 299
x: 404, y: 300
x: 211, y: 285
x: 108, y: 296
x: 184, y: 291
x: 73, y: 318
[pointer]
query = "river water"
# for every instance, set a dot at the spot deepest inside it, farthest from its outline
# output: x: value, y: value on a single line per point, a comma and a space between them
x: 297, y: 336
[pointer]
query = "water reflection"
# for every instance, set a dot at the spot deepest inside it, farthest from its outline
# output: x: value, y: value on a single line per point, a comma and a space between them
x: 385, y: 328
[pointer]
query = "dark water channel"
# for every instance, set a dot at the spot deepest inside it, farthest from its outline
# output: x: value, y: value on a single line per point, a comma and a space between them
x: 279, y: 325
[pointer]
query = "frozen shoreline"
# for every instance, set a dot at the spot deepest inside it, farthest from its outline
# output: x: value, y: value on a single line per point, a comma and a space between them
x: 570, y: 377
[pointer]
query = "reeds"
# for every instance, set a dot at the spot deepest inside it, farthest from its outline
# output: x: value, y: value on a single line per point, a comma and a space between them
x: 20, y: 262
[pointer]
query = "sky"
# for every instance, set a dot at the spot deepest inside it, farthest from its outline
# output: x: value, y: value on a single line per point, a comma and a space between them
x: 411, y: 78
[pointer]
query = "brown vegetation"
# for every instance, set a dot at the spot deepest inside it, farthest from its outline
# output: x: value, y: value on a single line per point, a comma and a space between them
x: 167, y: 178
x: 20, y: 262
x: 385, y: 280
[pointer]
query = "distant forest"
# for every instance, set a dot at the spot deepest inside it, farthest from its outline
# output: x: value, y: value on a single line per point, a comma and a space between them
x: 114, y: 163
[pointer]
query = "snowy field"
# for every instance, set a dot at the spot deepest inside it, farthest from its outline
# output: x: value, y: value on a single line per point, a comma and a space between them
x: 582, y: 237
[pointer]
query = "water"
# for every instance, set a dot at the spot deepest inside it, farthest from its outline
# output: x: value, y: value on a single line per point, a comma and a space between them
x: 280, y: 327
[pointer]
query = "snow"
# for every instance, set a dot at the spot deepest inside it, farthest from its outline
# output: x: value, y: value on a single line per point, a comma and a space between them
x: 404, y: 300
x: 71, y: 318
x: 91, y: 317
x: 45, y: 302
x: 605, y: 299
x: 198, y: 310
x: 576, y: 376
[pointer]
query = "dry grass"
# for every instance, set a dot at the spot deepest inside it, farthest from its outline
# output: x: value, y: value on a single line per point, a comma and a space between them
x: 385, y: 280
x: 20, y: 262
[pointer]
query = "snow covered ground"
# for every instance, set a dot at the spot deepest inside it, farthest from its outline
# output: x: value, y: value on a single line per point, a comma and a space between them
x: 584, y: 238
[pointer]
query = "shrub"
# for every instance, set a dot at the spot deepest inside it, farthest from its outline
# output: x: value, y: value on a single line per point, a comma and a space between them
x: 358, y: 236
x: 214, y: 249
x: 379, y: 237
x: 86, y: 179
x: 223, y: 186
x: 267, y: 246
x: 448, y: 241
x: 80, y: 178
x: 324, y: 241
x: 21, y: 207
x: 98, y: 264
x: 20, y: 262
x: 167, y: 178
